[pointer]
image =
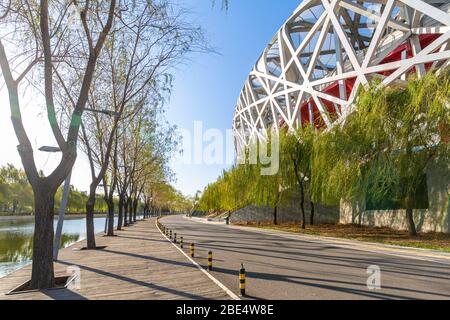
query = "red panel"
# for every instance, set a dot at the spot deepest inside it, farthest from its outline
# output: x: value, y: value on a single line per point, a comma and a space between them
x: 333, y: 89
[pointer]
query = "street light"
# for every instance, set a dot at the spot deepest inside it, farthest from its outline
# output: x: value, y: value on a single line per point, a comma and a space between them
x: 50, y: 149
x: 101, y: 185
x: 106, y: 112
x: 128, y: 168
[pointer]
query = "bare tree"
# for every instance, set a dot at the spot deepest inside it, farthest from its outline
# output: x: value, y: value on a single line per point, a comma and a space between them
x: 147, y: 40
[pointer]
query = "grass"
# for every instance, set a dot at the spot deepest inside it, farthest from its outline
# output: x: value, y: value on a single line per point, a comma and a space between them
x: 429, y: 240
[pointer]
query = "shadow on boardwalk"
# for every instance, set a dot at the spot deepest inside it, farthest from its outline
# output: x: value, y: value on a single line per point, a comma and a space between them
x: 138, y: 264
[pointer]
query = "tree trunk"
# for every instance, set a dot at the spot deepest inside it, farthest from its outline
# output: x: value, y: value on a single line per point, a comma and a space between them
x: 120, y: 218
x: 130, y: 211
x: 90, y: 230
x: 410, y: 217
x: 125, y: 213
x: 110, y: 218
x: 146, y: 210
x: 411, y: 225
x: 135, y: 207
x: 42, y: 276
x: 311, y: 217
x: 275, y: 216
x: 409, y: 195
x: 302, y: 205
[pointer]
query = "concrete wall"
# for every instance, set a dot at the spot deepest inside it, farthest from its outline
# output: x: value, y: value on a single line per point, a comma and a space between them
x: 289, y: 211
x: 436, y: 218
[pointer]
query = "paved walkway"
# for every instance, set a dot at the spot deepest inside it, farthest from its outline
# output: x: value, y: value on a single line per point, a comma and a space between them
x: 138, y: 264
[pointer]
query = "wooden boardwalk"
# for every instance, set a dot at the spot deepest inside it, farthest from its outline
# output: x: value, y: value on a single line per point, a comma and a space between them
x: 138, y: 264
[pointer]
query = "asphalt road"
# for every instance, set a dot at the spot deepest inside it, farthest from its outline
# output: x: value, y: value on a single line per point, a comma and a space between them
x: 283, y: 269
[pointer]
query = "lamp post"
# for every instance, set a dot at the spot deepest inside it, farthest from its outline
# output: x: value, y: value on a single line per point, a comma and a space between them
x: 106, y: 218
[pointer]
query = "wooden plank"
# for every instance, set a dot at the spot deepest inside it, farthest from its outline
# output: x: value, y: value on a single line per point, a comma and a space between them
x: 138, y: 264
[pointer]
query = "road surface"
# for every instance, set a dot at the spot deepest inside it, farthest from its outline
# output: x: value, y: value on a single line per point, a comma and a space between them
x: 280, y: 268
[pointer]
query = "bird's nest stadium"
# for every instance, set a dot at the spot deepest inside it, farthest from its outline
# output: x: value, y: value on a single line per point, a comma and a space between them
x: 312, y: 68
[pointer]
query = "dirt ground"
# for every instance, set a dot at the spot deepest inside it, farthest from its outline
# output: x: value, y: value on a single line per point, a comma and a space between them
x: 430, y: 240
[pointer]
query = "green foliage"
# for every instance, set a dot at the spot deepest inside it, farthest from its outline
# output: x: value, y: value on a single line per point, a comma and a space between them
x: 167, y: 198
x: 387, y: 145
x: 380, y: 153
x: 296, y: 156
x: 241, y: 186
x: 16, y: 194
x: 232, y: 191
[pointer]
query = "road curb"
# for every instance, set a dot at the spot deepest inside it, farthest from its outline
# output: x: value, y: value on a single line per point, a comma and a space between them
x: 217, y: 282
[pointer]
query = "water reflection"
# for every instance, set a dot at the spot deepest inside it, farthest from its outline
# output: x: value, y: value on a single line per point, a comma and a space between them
x: 16, y: 239
x: 16, y: 247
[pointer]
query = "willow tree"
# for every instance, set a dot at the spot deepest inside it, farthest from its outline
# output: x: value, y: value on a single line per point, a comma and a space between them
x: 296, y: 156
x: 387, y: 145
x: 268, y: 193
x: 237, y: 187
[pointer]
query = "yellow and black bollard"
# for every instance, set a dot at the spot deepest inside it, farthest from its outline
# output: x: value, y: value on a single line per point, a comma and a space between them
x: 181, y: 243
x: 170, y: 234
x: 175, y: 238
x: 210, y: 261
x: 192, y: 250
x: 242, y: 281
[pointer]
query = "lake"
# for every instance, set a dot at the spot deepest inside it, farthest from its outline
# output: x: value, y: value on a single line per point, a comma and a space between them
x: 16, y: 235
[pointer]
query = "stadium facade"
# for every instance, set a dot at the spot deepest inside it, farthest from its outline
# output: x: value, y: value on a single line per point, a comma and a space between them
x: 311, y: 70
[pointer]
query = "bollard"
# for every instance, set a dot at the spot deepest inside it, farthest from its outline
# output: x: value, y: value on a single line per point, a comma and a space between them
x: 182, y: 243
x: 175, y: 238
x: 242, y: 281
x: 210, y: 261
x: 192, y: 250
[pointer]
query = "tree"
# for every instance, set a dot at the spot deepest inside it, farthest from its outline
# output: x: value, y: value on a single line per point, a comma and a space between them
x: 135, y: 79
x: 296, y: 156
x: 42, y: 33
x: 387, y: 145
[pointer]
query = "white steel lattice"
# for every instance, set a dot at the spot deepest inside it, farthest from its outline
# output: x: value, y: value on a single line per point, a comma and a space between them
x: 311, y: 70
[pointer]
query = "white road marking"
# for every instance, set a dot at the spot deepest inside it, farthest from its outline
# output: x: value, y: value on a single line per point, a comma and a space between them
x: 217, y: 282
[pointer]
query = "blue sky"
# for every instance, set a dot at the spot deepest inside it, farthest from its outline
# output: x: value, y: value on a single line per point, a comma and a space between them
x: 206, y: 88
